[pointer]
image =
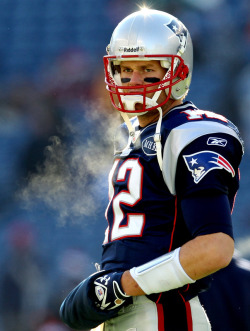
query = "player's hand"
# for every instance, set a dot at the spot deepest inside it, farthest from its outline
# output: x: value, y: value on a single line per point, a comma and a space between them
x: 108, y: 293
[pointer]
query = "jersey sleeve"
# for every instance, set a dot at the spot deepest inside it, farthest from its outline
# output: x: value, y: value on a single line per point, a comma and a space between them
x: 207, y: 212
x: 207, y: 180
x: 201, y: 155
x: 209, y: 163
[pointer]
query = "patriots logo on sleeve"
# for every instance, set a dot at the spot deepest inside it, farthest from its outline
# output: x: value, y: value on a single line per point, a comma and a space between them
x: 199, y: 164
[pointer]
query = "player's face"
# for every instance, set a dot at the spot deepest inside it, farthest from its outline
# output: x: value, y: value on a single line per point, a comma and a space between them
x: 135, y: 73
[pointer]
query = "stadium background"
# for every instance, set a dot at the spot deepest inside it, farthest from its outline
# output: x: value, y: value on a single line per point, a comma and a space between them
x: 55, y: 132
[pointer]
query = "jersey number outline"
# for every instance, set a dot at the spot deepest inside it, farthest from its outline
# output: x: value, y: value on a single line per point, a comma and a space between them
x: 197, y: 114
x: 130, y: 197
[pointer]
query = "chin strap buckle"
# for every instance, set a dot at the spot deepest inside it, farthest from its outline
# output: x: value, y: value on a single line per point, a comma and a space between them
x: 157, y: 137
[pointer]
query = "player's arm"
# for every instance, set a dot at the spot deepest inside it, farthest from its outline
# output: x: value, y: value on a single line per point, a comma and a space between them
x: 207, y: 254
x: 208, y: 217
x: 206, y: 210
x: 198, y: 258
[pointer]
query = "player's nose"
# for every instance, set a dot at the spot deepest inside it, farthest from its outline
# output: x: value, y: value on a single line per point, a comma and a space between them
x: 136, y: 78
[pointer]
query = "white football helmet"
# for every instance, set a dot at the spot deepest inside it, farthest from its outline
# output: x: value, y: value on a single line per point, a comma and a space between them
x: 149, y: 35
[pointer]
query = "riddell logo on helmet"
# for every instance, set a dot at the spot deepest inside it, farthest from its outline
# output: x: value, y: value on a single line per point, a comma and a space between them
x: 131, y: 49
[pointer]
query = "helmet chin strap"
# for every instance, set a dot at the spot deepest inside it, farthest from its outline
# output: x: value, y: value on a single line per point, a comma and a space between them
x: 132, y: 134
x: 157, y: 138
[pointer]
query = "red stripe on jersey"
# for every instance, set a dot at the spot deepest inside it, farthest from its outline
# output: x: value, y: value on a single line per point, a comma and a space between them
x: 172, y: 234
x: 160, y: 314
x: 188, y: 314
x: 232, y: 209
x: 158, y: 298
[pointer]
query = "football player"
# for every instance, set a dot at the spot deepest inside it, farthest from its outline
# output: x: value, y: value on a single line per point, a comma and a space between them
x: 171, y: 188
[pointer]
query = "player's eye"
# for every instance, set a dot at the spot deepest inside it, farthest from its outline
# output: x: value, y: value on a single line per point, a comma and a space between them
x: 126, y: 70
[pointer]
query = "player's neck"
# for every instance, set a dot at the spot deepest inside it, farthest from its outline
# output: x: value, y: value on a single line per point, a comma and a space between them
x: 153, y: 116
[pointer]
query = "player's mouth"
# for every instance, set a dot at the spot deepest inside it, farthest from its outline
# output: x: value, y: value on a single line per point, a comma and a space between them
x: 139, y: 91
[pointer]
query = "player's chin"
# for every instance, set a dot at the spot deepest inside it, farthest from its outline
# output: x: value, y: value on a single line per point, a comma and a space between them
x: 138, y: 106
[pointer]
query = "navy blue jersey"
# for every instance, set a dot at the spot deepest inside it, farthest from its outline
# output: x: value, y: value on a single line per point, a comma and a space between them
x: 227, y: 302
x: 201, y: 153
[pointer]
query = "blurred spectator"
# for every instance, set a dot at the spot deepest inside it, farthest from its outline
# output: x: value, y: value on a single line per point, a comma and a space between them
x: 26, y: 123
x: 242, y: 97
x: 73, y: 265
x: 67, y: 79
x: 14, y: 138
x: 52, y: 324
x: 23, y: 283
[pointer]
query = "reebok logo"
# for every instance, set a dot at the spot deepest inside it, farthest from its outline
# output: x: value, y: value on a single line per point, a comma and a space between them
x: 217, y: 141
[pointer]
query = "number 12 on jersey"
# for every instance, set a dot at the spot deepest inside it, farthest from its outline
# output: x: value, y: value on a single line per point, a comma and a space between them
x: 130, y: 172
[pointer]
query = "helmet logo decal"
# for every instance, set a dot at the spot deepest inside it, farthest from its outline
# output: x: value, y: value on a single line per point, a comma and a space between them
x: 180, y: 31
x: 201, y: 163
